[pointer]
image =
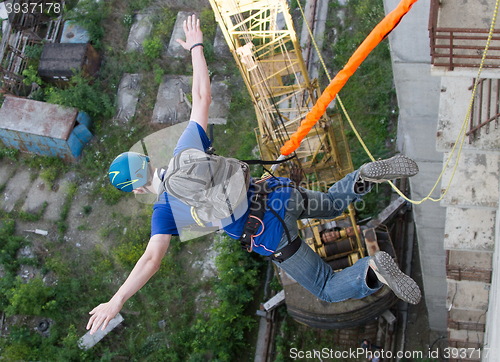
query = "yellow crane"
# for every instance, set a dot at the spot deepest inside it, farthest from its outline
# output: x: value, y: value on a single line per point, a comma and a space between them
x: 264, y: 44
x: 261, y: 37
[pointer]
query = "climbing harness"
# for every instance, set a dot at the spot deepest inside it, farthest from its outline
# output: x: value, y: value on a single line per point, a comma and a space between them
x: 258, y: 207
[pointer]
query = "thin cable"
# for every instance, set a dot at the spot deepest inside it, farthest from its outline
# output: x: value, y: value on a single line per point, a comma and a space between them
x: 461, y: 136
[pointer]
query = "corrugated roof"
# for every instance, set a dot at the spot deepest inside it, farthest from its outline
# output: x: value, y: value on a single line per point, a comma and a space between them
x: 34, y: 117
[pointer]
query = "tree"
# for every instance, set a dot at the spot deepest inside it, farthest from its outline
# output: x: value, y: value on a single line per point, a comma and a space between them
x: 31, y: 298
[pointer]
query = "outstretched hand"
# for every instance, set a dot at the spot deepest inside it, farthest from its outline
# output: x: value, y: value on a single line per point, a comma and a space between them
x: 193, y: 32
x: 102, y: 314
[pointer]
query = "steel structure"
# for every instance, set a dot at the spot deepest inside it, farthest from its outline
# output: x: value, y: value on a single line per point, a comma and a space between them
x: 264, y: 44
x: 262, y: 39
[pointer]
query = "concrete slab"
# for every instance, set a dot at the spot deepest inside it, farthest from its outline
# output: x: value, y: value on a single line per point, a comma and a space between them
x: 464, y: 72
x: 418, y: 99
x: 16, y: 188
x: 425, y: 181
x: 7, y: 170
x: 470, y: 229
x: 88, y: 340
x: 468, y: 295
x: 175, y: 50
x: 261, y: 349
x: 39, y: 193
x: 476, y: 180
x: 434, y: 264
x: 435, y: 298
x: 128, y: 96
x: 453, y: 109
x: 84, y: 227
x: 437, y: 288
x: 469, y: 336
x: 139, y: 32
x: 471, y: 259
x: 476, y: 16
x: 221, y: 98
x: 459, y: 315
x: 171, y: 102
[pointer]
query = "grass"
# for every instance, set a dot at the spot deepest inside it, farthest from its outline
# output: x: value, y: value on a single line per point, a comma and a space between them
x: 369, y: 95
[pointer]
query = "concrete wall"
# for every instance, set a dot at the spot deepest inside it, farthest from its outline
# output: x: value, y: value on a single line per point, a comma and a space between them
x: 418, y: 95
x: 492, y: 338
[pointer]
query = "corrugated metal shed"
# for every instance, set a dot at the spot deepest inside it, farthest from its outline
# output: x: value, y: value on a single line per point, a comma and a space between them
x: 43, y: 128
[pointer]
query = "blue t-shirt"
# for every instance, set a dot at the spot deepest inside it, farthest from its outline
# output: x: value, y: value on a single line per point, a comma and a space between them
x: 171, y: 215
x: 268, y: 235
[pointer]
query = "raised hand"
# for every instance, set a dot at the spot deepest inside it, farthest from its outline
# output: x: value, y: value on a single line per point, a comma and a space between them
x: 193, y: 32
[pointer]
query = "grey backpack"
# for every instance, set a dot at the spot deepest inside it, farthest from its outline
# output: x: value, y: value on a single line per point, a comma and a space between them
x: 212, y: 185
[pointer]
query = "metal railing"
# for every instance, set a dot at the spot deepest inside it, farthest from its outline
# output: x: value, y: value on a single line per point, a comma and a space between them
x: 460, y: 47
x: 485, y: 109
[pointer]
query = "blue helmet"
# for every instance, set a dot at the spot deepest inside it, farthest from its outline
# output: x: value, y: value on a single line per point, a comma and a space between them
x: 128, y: 171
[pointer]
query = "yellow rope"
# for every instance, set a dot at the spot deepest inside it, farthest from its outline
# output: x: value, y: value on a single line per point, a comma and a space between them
x: 461, y: 136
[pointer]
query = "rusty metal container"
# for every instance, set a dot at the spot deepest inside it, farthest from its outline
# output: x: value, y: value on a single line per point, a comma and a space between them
x: 42, y: 128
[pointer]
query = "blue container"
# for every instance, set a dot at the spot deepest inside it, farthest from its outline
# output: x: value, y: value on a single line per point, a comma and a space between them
x: 42, y: 128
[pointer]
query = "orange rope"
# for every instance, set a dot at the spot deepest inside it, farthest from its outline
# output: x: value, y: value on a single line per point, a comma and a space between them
x: 372, y: 40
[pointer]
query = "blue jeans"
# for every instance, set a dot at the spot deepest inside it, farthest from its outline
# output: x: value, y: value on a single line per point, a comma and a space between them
x: 307, y: 267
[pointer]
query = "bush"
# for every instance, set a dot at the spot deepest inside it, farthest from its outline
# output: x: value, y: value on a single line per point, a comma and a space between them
x: 31, y: 76
x: 90, y: 15
x: 31, y: 298
x: 84, y: 96
x: 222, y: 333
x: 164, y: 23
x: 49, y: 175
x: 10, y: 153
x: 152, y: 47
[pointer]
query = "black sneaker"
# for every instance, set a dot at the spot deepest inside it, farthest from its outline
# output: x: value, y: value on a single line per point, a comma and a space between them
x: 384, y: 170
x: 388, y: 272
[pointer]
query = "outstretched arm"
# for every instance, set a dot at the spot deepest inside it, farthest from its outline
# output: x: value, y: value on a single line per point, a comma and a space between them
x: 201, y: 80
x: 144, y: 269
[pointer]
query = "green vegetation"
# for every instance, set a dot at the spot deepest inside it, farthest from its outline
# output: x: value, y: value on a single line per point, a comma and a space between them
x: 369, y: 95
x: 159, y: 320
x: 153, y: 47
x: 91, y: 15
x: 84, y: 96
x: 82, y: 277
x: 9, y: 153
